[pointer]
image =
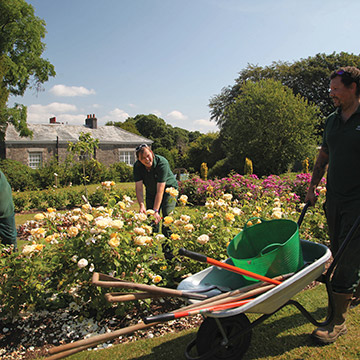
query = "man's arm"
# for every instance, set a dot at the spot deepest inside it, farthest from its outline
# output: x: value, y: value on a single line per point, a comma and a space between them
x: 139, y: 189
x: 318, y: 173
x: 160, y: 188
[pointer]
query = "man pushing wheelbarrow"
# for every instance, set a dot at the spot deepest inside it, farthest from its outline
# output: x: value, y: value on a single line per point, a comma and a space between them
x: 340, y: 151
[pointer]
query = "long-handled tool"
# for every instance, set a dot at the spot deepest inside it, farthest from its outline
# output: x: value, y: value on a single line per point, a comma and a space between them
x: 104, y: 280
x: 202, y: 310
x: 65, y: 350
x: 204, y: 258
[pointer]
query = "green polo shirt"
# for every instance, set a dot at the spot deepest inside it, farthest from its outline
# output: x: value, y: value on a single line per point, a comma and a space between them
x: 160, y: 173
x: 342, y: 142
x: 6, y: 200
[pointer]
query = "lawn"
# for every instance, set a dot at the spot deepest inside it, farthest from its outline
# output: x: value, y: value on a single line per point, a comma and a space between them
x: 284, y: 336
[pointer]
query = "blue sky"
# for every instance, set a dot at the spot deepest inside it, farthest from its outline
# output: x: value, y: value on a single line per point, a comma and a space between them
x: 120, y: 58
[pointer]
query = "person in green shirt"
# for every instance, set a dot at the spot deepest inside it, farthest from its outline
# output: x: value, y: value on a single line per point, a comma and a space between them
x: 153, y: 171
x: 340, y: 155
x: 8, y: 232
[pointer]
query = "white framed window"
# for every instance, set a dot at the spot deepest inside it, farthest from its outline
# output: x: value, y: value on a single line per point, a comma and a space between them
x: 127, y: 156
x: 35, y: 160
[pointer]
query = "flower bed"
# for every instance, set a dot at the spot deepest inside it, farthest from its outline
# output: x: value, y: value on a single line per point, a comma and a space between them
x: 54, y: 270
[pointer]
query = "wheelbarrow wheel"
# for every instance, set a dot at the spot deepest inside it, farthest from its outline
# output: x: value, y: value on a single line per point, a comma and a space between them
x: 210, y: 339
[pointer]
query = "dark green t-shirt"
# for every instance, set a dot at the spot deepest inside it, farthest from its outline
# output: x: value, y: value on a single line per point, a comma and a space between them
x: 6, y: 200
x: 160, y: 173
x: 342, y: 142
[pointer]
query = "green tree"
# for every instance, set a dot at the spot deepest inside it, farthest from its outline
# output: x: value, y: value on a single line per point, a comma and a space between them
x: 270, y: 125
x: 307, y: 77
x: 205, y: 148
x: 84, y: 149
x: 21, y: 64
x: 128, y: 125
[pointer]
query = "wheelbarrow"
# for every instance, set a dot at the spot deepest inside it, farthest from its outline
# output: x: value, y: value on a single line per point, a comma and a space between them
x: 227, y: 334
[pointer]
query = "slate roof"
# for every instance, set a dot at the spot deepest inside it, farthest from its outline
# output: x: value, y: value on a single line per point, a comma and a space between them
x: 49, y: 133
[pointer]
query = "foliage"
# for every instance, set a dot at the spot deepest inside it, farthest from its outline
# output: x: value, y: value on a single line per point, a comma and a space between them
x: 205, y: 147
x: 308, y: 78
x: 55, y: 269
x: 175, y: 140
x: 85, y: 149
x: 64, y: 198
x: 120, y: 172
x: 21, y: 48
x: 247, y: 187
x: 20, y: 176
x: 268, y: 116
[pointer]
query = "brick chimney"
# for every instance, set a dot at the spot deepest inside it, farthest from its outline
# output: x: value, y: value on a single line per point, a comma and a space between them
x: 91, y: 121
x: 53, y: 120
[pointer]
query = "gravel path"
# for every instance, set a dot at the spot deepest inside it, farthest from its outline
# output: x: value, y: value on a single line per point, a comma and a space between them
x: 31, y: 335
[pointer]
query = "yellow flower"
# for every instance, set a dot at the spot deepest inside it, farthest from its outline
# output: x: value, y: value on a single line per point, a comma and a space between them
x: 114, y: 241
x: 38, y: 233
x: 50, y: 210
x: 28, y: 249
x: 168, y: 220
x: 209, y: 216
x: 172, y: 191
x: 50, y: 238
x: 117, y: 224
x: 227, y: 197
x: 156, y: 279
x: 148, y: 229
x: 139, y: 231
x: 86, y: 207
x: 229, y: 217
x: 72, y: 231
x: 189, y: 227
x: 183, y: 199
x: 277, y: 214
x: 185, y: 218
x: 175, y: 236
x: 39, y: 247
x: 203, y: 239
x: 164, y: 267
x: 39, y: 217
x: 249, y: 223
x: 142, y: 240
x: 88, y: 217
x: 122, y: 205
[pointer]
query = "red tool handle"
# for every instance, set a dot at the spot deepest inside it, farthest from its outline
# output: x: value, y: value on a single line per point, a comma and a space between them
x: 177, y: 315
x: 204, y: 258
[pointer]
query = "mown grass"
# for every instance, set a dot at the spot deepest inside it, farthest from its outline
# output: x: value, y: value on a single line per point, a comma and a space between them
x: 284, y: 336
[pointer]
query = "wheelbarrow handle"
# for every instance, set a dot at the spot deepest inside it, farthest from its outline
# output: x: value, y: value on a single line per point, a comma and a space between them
x: 301, y: 218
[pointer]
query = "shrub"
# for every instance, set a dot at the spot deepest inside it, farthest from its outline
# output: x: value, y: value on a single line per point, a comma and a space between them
x: 20, y: 176
x: 120, y: 172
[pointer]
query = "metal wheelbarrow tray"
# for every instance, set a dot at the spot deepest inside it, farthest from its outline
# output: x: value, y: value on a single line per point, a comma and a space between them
x: 229, y: 337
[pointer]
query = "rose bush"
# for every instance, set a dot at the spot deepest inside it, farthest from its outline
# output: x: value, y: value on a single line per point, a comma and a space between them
x: 55, y: 268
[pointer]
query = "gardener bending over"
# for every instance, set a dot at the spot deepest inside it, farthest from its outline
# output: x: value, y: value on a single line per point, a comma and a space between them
x: 340, y: 151
x: 154, y: 172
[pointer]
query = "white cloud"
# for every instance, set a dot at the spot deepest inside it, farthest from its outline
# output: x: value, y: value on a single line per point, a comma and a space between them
x: 205, y: 125
x: 156, y: 113
x: 40, y: 114
x: 63, y: 90
x: 176, y: 115
x: 115, y: 116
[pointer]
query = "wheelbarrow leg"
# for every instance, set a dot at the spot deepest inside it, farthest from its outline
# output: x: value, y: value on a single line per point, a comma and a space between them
x: 222, y: 331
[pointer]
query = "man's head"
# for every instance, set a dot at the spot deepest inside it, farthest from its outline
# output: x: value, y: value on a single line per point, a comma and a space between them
x: 145, y: 155
x: 345, y: 85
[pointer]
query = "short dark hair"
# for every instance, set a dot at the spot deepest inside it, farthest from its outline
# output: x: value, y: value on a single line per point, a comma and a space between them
x: 348, y: 75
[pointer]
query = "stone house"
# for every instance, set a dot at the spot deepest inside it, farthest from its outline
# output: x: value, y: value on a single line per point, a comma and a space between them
x: 52, y: 139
